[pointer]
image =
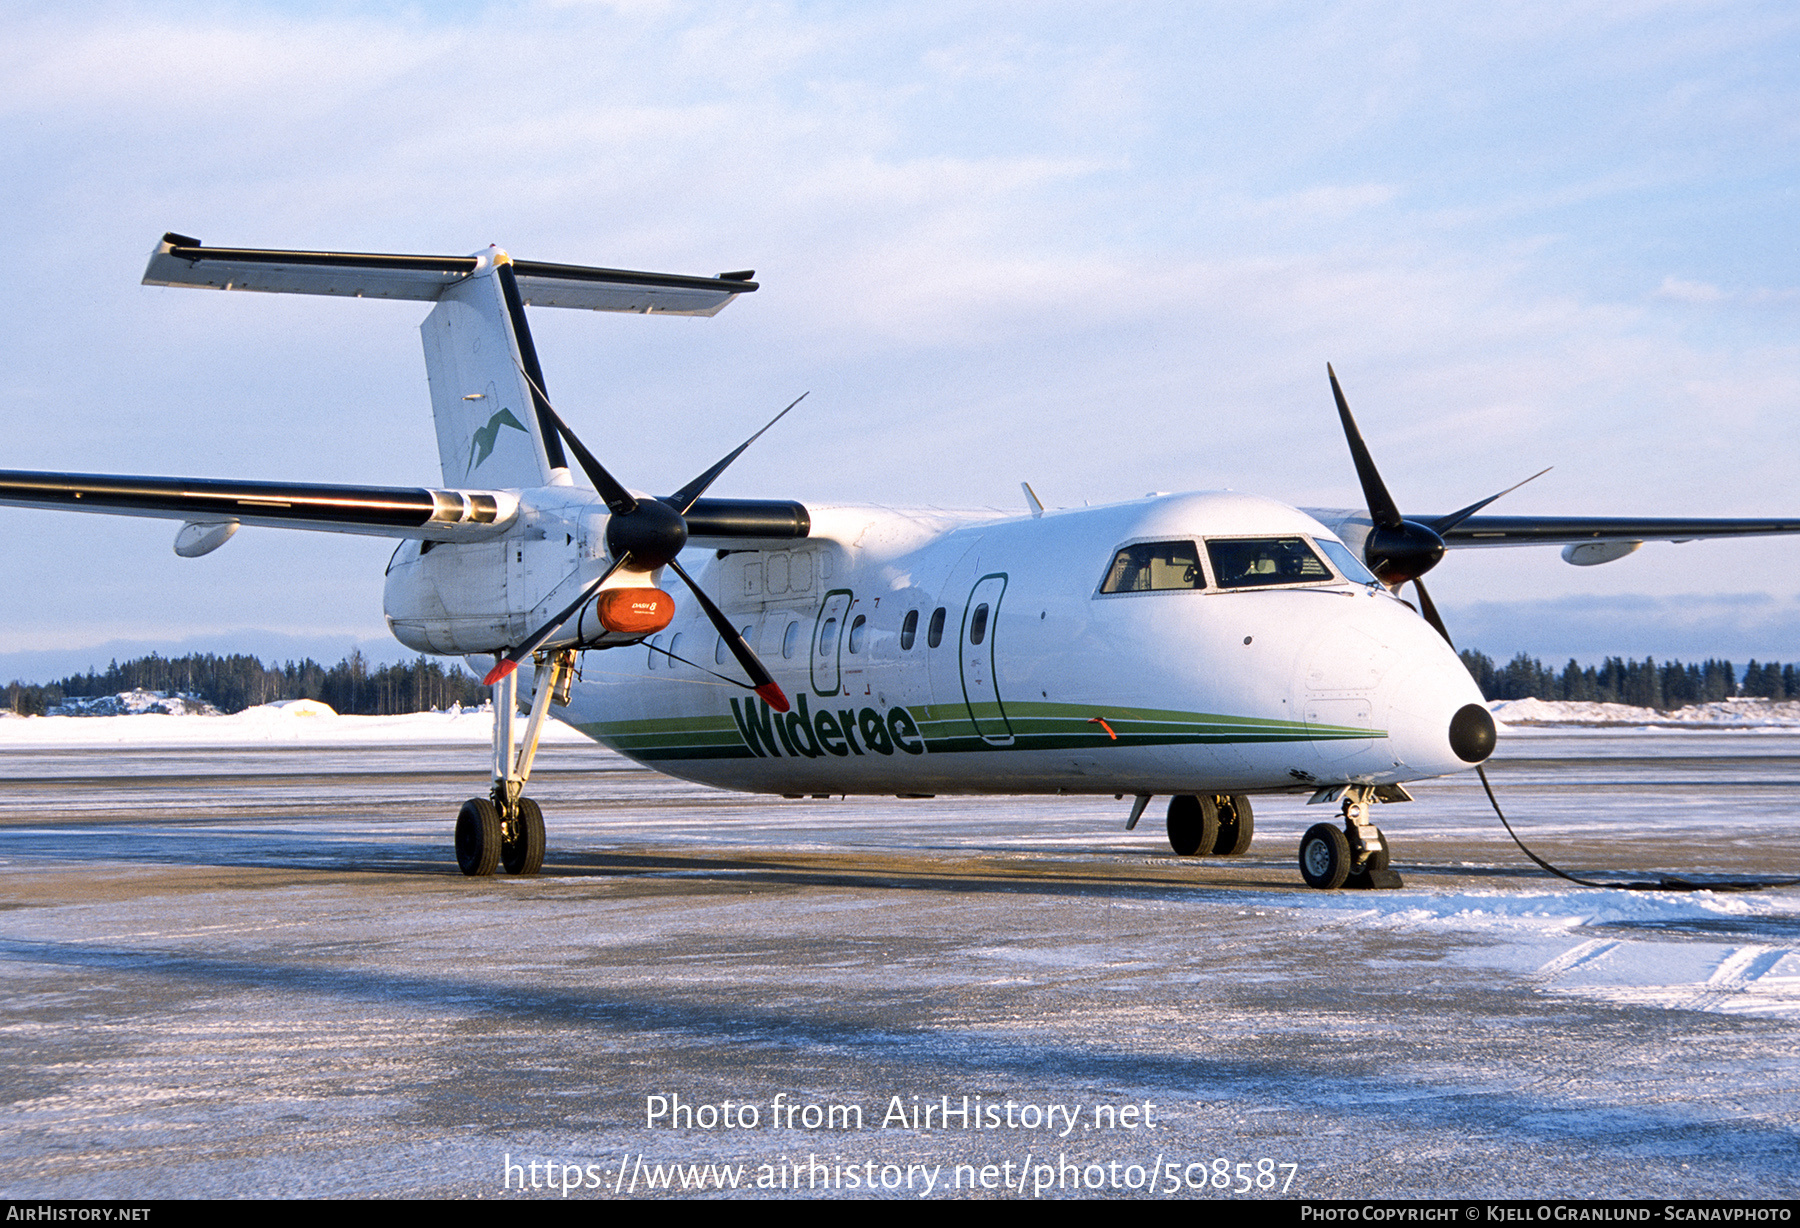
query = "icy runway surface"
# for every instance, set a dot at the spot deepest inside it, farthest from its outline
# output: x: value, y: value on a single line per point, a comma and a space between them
x: 254, y: 970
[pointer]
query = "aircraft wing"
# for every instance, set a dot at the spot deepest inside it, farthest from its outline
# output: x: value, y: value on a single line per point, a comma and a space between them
x: 181, y: 261
x: 377, y: 511
x: 1573, y: 530
x: 1586, y: 540
x: 380, y: 511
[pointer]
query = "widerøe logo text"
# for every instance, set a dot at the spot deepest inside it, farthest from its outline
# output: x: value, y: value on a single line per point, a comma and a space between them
x: 843, y: 731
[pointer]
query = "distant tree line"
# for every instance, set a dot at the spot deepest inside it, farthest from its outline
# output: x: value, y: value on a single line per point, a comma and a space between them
x: 1643, y: 684
x: 234, y: 683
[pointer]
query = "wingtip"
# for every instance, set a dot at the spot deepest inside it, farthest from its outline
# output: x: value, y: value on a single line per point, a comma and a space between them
x: 772, y: 695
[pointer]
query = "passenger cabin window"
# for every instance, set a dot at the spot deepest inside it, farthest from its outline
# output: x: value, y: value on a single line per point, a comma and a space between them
x: 655, y: 650
x: 858, y: 629
x: 934, y: 634
x: 828, y: 638
x: 908, y: 630
x: 1154, y: 566
x: 791, y: 641
x: 978, y: 624
x: 1252, y: 562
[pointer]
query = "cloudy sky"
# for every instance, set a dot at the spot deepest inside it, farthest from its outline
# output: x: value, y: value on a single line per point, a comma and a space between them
x: 1106, y: 249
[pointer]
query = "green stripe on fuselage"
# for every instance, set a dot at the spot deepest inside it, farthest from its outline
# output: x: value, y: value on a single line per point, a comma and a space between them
x: 947, y: 729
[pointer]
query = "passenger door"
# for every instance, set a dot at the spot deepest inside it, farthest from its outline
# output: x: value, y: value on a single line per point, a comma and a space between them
x: 828, y: 642
x: 980, y: 684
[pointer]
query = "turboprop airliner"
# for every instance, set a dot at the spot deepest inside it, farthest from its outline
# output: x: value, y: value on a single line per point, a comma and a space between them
x: 1207, y: 647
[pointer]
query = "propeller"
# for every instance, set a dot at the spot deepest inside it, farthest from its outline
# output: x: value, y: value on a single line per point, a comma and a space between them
x: 647, y: 534
x: 1398, y: 549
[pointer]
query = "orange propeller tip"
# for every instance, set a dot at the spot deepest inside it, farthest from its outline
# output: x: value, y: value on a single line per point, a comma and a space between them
x: 499, y: 672
x: 771, y: 695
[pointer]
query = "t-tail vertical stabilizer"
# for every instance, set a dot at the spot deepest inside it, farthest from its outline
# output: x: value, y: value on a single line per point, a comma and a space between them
x: 486, y: 386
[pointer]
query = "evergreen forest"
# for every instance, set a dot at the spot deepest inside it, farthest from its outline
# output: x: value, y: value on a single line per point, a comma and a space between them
x: 1643, y: 684
x: 234, y: 683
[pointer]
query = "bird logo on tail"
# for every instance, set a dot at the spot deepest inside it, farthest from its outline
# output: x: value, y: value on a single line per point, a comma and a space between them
x: 485, y: 437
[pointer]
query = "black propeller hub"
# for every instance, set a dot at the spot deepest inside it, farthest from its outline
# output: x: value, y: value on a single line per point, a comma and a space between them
x: 1402, y: 552
x: 653, y: 533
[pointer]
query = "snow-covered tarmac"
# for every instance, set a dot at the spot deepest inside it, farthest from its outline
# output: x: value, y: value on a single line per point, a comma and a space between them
x: 249, y: 967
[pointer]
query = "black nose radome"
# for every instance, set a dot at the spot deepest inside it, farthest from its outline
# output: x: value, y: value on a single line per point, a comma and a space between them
x: 1472, y: 733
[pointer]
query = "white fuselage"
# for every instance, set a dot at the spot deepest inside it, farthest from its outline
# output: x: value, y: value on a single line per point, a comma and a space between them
x: 1039, y: 682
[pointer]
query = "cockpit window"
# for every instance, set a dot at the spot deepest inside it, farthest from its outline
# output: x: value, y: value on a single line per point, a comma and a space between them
x: 1153, y: 566
x: 1251, y: 562
x: 1348, y: 563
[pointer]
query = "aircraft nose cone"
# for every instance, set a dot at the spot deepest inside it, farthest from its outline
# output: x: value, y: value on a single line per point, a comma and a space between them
x: 1472, y: 733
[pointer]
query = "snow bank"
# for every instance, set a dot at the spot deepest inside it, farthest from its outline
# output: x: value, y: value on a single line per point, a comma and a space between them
x: 1732, y: 713
x: 300, y: 722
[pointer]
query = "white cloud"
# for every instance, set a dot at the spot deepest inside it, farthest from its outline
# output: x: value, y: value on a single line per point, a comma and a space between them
x: 1689, y: 291
x: 1035, y: 236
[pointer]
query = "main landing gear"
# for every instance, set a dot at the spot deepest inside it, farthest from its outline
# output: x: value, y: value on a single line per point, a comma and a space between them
x: 1355, y: 855
x: 1210, y: 824
x: 506, y: 828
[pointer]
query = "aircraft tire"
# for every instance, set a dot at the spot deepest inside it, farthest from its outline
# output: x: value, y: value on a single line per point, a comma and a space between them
x: 1193, y: 824
x: 1237, y: 826
x: 522, y: 849
x: 478, y: 837
x: 1325, y: 856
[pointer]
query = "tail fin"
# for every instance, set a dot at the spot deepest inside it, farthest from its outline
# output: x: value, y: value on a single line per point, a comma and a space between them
x: 486, y: 386
x: 487, y: 391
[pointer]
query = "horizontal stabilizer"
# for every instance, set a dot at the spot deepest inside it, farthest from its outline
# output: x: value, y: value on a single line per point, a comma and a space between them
x: 180, y: 261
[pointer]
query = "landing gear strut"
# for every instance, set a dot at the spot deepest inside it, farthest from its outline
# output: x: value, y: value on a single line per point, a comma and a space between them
x: 1355, y: 855
x: 506, y: 828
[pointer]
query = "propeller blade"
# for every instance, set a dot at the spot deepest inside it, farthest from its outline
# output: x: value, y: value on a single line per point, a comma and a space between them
x: 684, y: 498
x: 619, y: 501
x: 761, y: 681
x: 1431, y: 614
x: 508, y: 663
x: 1443, y: 524
x: 1382, y: 508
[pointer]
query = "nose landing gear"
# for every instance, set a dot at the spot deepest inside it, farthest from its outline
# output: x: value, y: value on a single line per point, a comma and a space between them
x: 506, y: 828
x: 1355, y: 855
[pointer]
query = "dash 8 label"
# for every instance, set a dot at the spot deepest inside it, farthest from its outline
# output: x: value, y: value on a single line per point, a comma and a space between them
x: 803, y: 733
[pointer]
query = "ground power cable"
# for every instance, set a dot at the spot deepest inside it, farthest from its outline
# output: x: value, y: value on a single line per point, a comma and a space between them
x: 1667, y: 883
